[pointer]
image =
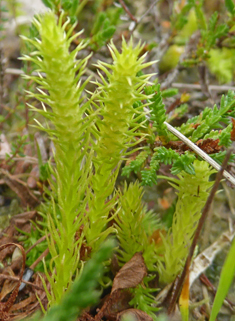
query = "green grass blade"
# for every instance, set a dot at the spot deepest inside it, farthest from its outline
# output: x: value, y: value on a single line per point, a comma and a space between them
x: 226, y: 279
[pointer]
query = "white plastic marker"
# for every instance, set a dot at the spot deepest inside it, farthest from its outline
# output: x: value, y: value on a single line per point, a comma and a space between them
x: 200, y: 152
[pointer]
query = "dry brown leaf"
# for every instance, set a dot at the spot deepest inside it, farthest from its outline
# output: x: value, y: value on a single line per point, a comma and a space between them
x: 131, y: 274
x: 209, y: 145
x: 117, y: 302
x: 233, y: 130
x: 21, y: 189
x: 23, y: 304
x: 8, y: 285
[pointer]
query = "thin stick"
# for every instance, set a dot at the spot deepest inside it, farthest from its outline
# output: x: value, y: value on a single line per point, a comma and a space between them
x: 197, y: 86
x: 14, y: 278
x: 148, y: 11
x: 128, y: 11
x: 39, y: 259
x: 200, y: 152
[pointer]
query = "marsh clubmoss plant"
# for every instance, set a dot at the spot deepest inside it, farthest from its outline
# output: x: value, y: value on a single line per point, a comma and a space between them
x: 68, y: 130
x: 193, y: 191
x: 115, y: 132
x: 135, y: 226
x: 133, y: 223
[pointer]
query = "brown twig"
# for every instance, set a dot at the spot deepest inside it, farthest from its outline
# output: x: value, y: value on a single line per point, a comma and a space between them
x: 211, y: 287
x: 128, y: 11
x: 39, y: 259
x: 37, y: 242
x: 17, y: 261
x: 148, y: 11
x: 14, y: 278
x: 197, y: 233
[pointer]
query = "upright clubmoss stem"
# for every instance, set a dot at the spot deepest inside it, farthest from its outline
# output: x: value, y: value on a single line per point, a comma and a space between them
x: 61, y: 90
x: 119, y: 120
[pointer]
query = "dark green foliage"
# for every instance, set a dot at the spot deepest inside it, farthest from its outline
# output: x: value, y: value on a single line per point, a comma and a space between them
x: 184, y: 163
x: 99, y: 39
x: 170, y: 92
x: 144, y: 300
x: 149, y: 176
x: 210, y: 118
x: 102, y: 30
x: 213, y: 32
x: 70, y: 7
x: 157, y: 110
x: 101, y: 16
x: 219, y: 157
x: 166, y: 156
x: 230, y: 6
x: 179, y: 20
x: 178, y: 112
x: 225, y: 136
x: 49, y: 3
x: 136, y: 165
x: 201, y: 20
x: 180, y: 162
x: 17, y: 147
x: 28, y: 240
x: 44, y: 168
